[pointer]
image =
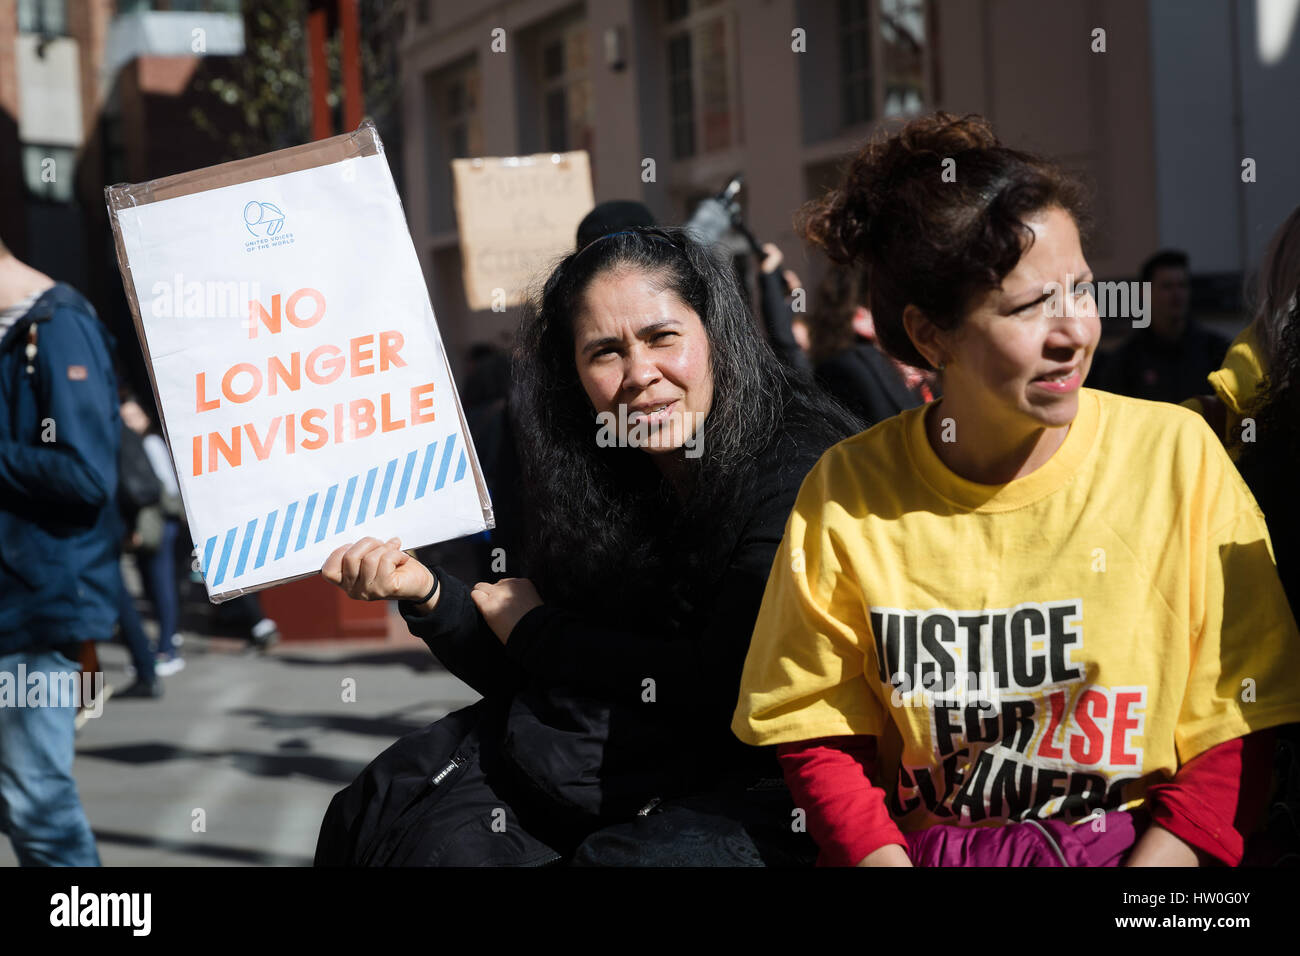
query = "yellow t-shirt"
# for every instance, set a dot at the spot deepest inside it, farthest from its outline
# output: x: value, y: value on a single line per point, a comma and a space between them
x: 1119, y: 606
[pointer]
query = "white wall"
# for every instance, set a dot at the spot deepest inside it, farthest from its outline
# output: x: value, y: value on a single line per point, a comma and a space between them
x: 1216, y: 102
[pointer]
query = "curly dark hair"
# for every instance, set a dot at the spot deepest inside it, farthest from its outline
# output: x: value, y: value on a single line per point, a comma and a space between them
x: 931, y: 240
x: 606, y: 526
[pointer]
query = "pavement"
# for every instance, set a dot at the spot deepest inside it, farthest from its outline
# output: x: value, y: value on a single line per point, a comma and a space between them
x: 237, y: 762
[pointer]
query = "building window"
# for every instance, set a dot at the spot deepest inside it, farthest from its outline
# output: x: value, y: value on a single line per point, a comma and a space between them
x: 867, y: 59
x: 457, y: 102
x: 47, y: 17
x: 453, y: 131
x: 564, y: 86
x: 902, y: 39
x: 703, y: 111
x: 681, y: 99
x: 49, y: 172
x: 856, y: 93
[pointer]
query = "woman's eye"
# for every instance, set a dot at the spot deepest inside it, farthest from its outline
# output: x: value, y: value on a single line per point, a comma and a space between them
x: 659, y: 335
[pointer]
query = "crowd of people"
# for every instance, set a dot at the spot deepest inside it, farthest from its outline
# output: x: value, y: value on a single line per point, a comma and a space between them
x: 943, y: 585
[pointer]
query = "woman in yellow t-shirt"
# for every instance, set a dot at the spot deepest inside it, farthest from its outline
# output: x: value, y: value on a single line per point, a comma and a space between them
x: 1029, y: 623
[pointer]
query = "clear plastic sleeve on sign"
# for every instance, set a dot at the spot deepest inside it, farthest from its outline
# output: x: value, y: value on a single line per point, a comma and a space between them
x: 363, y: 142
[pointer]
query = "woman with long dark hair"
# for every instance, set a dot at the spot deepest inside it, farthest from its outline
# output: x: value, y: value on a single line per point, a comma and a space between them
x: 1259, y: 394
x: 662, y: 446
x: 1029, y: 623
x: 1269, y: 460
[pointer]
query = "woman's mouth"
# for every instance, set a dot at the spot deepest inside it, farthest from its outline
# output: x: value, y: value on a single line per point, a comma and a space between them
x: 1059, y: 383
x: 651, y: 414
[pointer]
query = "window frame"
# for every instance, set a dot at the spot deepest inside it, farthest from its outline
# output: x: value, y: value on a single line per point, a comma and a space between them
x: 563, y: 30
x: 688, y: 25
x: 877, y: 70
x: 41, y: 27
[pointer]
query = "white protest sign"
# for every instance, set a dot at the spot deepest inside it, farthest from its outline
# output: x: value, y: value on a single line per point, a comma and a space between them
x: 303, y: 384
x: 516, y: 215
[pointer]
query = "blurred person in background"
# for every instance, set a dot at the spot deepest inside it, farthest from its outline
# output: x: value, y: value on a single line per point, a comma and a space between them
x: 157, y: 528
x: 1268, y: 458
x: 850, y: 364
x: 138, y: 491
x: 1169, y: 359
x: 787, y: 330
x: 59, y: 542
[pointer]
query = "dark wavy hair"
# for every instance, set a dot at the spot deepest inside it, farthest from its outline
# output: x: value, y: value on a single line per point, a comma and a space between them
x: 1276, y: 406
x: 606, y: 527
x: 931, y: 240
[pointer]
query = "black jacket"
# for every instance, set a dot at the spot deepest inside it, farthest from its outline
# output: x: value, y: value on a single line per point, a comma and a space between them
x: 778, y: 321
x: 1146, y: 366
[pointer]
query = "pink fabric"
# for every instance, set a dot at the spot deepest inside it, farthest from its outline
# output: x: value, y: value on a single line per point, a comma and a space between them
x: 1105, y: 841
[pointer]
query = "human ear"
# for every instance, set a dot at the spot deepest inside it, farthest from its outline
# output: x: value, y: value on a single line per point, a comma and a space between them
x: 930, y: 340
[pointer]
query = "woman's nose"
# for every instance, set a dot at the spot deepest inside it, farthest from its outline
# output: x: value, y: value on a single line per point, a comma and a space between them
x: 641, y: 370
x: 1073, y: 327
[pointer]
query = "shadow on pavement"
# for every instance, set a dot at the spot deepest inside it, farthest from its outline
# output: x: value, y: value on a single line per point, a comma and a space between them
x: 210, y: 851
x: 417, y: 659
x: 383, y: 726
x: 329, y: 769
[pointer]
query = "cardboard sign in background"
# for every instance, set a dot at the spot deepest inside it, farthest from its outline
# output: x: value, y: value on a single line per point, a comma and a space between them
x: 516, y: 216
x: 305, y: 392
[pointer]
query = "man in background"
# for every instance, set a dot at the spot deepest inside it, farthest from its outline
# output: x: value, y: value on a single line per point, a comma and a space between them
x: 1168, y: 360
x: 59, y: 544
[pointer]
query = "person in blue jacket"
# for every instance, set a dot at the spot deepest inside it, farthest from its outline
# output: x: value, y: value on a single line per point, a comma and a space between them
x: 59, y: 540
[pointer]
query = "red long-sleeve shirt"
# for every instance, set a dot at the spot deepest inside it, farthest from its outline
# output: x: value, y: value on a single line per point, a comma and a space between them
x: 1212, y: 803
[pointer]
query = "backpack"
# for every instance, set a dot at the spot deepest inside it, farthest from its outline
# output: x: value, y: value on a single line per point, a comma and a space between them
x: 138, y: 486
x: 427, y: 801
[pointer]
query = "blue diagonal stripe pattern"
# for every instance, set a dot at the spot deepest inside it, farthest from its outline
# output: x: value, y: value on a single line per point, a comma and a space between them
x: 406, y: 479
x: 365, y: 495
x: 306, y: 521
x: 447, y: 448
x: 325, y: 514
x: 347, y: 505
x: 248, y: 546
x: 266, y: 539
x: 383, y: 492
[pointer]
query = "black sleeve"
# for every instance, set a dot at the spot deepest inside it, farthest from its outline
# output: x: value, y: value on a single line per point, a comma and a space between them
x: 696, y: 675
x: 778, y: 322
x: 462, y: 641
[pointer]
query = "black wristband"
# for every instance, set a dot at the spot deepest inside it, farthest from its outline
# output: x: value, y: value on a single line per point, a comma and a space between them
x: 431, y: 593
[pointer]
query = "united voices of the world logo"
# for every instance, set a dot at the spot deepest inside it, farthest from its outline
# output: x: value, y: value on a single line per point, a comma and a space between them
x: 263, y: 218
x: 265, y: 223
